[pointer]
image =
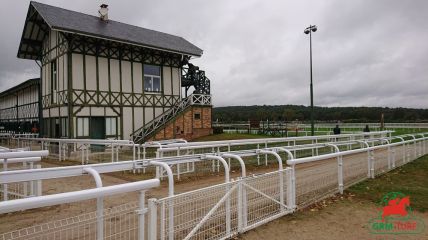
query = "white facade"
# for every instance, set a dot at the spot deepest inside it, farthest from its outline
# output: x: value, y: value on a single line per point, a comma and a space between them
x: 101, y: 86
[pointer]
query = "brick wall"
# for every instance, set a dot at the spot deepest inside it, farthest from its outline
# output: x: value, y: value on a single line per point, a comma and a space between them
x: 186, y: 126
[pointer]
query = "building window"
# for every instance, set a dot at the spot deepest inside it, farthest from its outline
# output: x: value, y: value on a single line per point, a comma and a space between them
x: 152, y: 78
x: 54, y: 81
x: 111, y: 129
x: 197, y: 116
x: 83, y: 127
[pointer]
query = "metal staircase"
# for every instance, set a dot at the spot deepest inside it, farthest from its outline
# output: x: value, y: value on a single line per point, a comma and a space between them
x: 160, y: 121
x: 191, y: 77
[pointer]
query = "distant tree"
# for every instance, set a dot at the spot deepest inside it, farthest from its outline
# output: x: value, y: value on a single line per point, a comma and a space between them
x: 289, y: 114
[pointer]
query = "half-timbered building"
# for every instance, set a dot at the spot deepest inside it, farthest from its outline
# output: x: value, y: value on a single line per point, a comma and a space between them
x: 106, y: 79
x: 19, y: 107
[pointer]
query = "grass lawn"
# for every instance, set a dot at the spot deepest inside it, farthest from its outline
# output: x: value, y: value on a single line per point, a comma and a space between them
x: 229, y: 136
x: 410, y: 179
x: 400, y: 131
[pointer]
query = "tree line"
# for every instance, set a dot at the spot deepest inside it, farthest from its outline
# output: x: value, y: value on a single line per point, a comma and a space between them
x: 324, y: 114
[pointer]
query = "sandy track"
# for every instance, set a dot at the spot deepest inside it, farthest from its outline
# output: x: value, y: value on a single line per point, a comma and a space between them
x: 344, y: 219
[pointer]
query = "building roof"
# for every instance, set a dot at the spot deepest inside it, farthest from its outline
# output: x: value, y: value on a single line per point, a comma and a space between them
x: 79, y: 23
x: 23, y: 85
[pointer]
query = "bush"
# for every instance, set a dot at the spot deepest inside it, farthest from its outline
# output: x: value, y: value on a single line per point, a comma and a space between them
x: 217, y: 130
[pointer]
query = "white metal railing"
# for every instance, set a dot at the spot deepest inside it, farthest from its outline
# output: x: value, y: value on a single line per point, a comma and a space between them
x: 224, y: 210
x: 207, y: 213
x: 83, y: 149
x: 10, y: 161
x: 95, y: 228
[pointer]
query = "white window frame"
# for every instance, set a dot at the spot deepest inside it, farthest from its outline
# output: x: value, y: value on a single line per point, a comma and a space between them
x: 150, y: 89
x: 82, y: 127
x: 111, y: 126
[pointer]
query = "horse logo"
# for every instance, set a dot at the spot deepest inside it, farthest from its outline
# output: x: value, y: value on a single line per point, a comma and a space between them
x: 396, y: 206
x: 396, y: 217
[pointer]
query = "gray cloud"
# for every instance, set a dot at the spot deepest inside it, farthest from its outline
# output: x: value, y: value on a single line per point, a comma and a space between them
x: 366, y: 53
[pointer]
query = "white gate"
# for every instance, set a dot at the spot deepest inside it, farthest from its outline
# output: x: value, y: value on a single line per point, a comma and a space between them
x: 224, y: 210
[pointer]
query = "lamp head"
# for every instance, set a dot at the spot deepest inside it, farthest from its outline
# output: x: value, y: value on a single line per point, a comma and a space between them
x: 314, y: 28
x: 307, y: 31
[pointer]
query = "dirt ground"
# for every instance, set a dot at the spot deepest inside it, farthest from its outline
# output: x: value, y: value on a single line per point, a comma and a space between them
x: 345, y: 218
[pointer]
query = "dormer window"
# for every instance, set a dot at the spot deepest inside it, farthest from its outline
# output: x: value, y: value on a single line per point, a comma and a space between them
x: 152, y: 78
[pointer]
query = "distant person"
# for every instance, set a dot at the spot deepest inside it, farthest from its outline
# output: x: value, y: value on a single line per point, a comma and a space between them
x: 34, y: 129
x: 366, y: 129
x: 336, y: 130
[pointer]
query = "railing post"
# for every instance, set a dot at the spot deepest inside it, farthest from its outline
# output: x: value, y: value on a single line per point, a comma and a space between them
x: 289, y: 177
x: 404, y: 152
x: 39, y: 183
x: 408, y: 152
x: 4, y: 184
x: 228, y: 213
x: 372, y: 164
x: 393, y: 157
x: 340, y: 173
x: 141, y: 214
x: 240, y: 206
x: 368, y: 163
x: 389, y: 157
x: 152, y: 224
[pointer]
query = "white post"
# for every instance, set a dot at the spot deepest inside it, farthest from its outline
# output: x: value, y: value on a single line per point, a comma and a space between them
x: 266, y: 156
x: 141, y: 214
x: 289, y: 175
x: 32, y: 183
x: 59, y: 151
x: 404, y: 152
x: 393, y: 157
x: 152, y: 224
x: 372, y: 164
x: 5, y: 184
x: 368, y: 163
x: 389, y: 157
x: 316, y: 149
x: 87, y: 153
x: 340, y: 173
x: 258, y: 156
x: 313, y: 150
x: 240, y: 208
x: 39, y: 183
x: 100, y: 203
x: 25, y: 190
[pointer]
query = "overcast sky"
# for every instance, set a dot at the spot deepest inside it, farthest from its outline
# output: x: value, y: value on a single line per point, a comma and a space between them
x: 365, y: 52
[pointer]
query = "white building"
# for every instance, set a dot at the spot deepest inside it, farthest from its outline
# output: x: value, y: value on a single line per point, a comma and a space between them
x: 105, y: 79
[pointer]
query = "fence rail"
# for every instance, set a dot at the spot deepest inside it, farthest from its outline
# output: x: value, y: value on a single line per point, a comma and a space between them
x: 223, y: 210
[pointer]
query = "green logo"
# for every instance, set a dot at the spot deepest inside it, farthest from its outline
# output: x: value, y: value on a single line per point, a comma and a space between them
x: 396, y: 216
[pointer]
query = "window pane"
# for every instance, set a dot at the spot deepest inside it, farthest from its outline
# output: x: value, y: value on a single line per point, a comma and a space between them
x: 148, y: 83
x: 156, y: 84
x: 79, y: 127
x: 86, y: 128
x: 151, y: 70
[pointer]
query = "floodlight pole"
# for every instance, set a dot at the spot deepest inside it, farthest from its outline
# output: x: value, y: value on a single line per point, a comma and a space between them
x: 309, y: 30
